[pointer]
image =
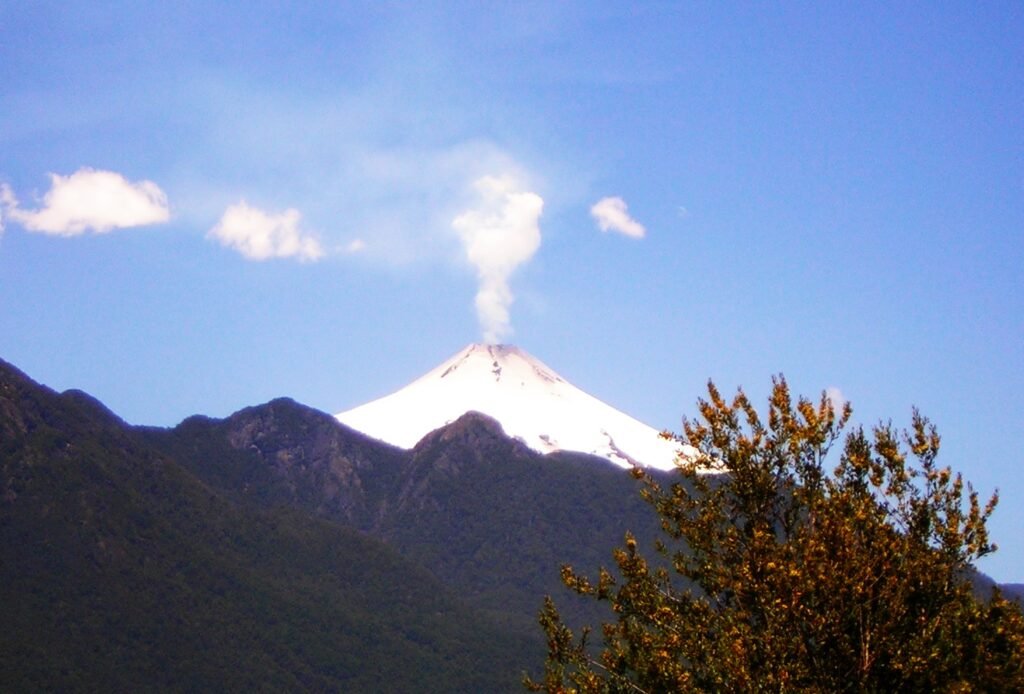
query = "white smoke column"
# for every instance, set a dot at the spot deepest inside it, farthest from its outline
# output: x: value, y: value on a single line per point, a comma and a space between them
x: 499, y: 235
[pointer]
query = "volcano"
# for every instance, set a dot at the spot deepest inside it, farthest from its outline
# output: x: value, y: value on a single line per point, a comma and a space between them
x: 530, y: 401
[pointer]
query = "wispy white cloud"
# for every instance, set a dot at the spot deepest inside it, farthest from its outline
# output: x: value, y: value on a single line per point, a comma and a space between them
x: 836, y: 399
x: 499, y: 234
x: 358, y: 163
x: 611, y: 214
x: 90, y: 200
x: 260, y: 235
x: 7, y: 201
x: 401, y: 201
x: 354, y: 246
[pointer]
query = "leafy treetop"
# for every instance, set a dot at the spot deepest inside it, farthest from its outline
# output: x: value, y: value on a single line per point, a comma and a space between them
x: 781, y: 574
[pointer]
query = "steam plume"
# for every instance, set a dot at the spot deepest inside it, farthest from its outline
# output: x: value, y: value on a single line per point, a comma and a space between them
x: 499, y: 234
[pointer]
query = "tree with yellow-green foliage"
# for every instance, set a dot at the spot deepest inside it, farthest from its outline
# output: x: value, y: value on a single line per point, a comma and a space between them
x: 785, y: 572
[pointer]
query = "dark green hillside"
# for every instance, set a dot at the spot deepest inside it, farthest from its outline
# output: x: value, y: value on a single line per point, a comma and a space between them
x: 284, y: 453
x: 122, y: 572
x: 489, y: 517
x: 1014, y: 590
x: 499, y: 520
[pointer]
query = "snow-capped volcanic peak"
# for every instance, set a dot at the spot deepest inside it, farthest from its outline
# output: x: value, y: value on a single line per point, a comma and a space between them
x: 530, y: 400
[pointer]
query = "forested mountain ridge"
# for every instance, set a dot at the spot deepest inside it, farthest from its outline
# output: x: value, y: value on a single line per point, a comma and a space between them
x: 277, y: 549
x: 489, y: 517
x: 122, y: 571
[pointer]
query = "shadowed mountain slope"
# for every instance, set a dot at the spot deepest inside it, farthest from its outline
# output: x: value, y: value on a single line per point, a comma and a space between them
x: 121, y: 572
x: 489, y: 517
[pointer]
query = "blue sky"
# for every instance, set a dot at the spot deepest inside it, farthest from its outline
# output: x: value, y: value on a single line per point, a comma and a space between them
x: 205, y: 207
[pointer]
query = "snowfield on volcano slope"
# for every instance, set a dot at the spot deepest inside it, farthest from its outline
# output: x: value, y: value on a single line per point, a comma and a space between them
x: 530, y: 401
